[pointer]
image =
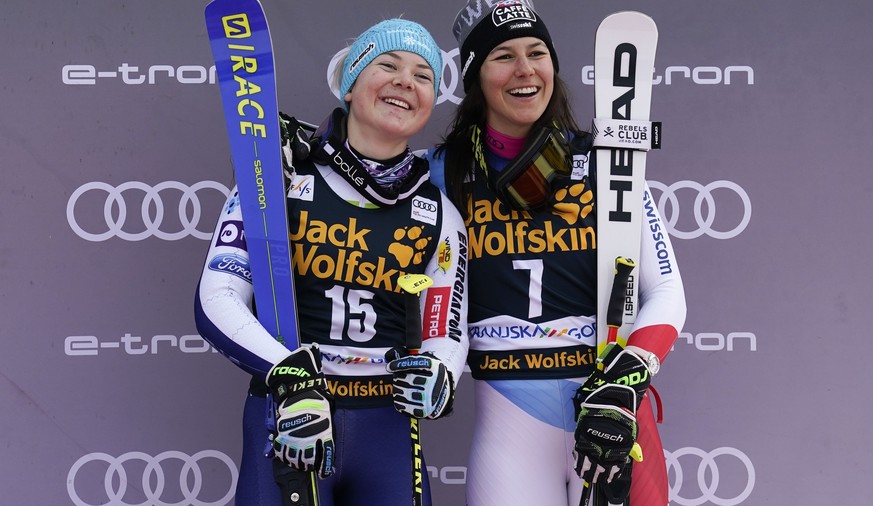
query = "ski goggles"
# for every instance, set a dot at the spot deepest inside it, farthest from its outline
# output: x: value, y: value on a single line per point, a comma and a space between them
x: 531, y: 179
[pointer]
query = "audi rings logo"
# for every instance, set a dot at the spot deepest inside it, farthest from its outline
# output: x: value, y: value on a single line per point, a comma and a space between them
x: 425, y: 205
x: 735, y: 205
x: 156, y: 482
x: 730, y: 463
x: 115, y: 215
x: 448, y: 84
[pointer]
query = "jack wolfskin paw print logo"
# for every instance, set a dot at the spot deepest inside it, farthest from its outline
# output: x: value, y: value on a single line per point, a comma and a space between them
x: 409, y: 246
x: 574, y: 203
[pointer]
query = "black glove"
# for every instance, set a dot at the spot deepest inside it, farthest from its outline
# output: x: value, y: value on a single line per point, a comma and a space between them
x: 295, y: 141
x: 606, y: 424
x: 304, y: 428
x: 423, y: 386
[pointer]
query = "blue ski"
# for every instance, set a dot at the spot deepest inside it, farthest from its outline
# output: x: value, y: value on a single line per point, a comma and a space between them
x: 244, y: 64
x: 245, y: 67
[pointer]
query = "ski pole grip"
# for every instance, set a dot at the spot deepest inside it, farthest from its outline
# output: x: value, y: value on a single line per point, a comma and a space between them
x: 615, y: 307
x: 412, y: 285
x: 413, y: 321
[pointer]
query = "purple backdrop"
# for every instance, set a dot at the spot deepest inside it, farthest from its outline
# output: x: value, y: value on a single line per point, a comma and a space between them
x: 115, y: 164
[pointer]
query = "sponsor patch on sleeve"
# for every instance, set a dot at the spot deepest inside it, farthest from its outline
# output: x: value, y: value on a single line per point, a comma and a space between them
x: 424, y: 210
x: 232, y: 203
x: 232, y: 264
x: 436, y: 312
x: 301, y: 187
x: 444, y: 255
x: 231, y: 234
x: 580, y: 167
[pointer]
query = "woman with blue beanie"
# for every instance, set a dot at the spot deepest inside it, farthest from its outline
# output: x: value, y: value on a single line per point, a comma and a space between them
x: 362, y: 214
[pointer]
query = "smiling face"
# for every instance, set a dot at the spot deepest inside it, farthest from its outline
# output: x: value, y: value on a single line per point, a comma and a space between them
x: 391, y: 100
x: 517, y: 79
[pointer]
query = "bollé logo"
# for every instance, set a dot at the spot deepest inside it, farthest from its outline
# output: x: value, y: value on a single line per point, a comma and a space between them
x: 348, y: 169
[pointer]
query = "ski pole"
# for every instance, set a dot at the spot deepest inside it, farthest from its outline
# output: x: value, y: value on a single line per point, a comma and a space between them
x: 413, y: 285
x: 615, y: 307
x: 614, y: 319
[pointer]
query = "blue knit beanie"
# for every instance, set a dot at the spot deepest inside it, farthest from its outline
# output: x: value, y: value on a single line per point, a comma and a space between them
x: 390, y: 35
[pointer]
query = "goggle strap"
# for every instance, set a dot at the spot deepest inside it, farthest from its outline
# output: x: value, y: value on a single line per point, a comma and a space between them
x: 328, y: 148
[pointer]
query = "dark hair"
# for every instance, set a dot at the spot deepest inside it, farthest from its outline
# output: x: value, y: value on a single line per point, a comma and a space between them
x: 457, y: 145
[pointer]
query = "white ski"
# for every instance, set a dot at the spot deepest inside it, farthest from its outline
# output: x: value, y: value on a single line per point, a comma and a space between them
x: 624, y: 59
x: 623, y: 66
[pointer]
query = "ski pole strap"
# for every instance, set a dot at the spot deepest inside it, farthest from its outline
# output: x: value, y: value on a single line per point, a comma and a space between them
x: 412, y: 285
x: 413, y: 321
x: 295, y: 141
x: 658, y: 406
x: 626, y: 134
x: 297, y: 488
x: 609, y: 494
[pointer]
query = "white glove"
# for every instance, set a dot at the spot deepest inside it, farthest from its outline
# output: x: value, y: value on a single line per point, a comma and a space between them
x: 304, y: 428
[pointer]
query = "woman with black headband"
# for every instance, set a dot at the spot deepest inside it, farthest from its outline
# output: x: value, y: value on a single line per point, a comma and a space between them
x: 362, y: 214
x: 517, y: 166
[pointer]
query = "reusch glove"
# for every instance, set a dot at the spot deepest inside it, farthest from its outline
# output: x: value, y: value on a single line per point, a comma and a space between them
x: 304, y: 428
x: 422, y: 386
x: 606, y: 424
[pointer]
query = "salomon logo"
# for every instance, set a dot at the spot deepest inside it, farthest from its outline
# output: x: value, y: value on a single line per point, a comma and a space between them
x: 236, y: 26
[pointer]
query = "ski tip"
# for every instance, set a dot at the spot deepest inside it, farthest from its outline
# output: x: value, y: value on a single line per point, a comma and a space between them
x: 628, y: 20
